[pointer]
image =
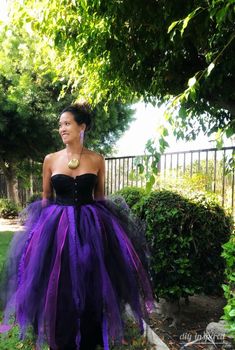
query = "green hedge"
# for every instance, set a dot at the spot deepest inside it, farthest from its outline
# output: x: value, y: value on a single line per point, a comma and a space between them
x: 132, y: 195
x: 229, y: 287
x: 185, y: 237
x: 8, y: 209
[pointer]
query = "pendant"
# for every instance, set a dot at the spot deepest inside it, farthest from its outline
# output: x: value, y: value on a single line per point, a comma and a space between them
x: 73, y: 163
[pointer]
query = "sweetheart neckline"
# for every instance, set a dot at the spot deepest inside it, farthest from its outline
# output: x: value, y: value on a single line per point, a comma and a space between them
x: 72, y: 177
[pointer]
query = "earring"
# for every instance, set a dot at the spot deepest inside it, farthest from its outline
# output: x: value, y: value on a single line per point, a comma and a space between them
x: 82, y: 136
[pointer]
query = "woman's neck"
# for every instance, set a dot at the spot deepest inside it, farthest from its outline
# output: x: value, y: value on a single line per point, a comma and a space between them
x: 74, y: 148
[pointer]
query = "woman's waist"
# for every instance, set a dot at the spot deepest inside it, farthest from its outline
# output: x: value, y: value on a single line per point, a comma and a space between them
x: 79, y: 200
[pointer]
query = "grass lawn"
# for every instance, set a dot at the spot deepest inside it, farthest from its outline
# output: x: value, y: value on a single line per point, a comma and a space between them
x: 5, y: 238
x: 10, y: 340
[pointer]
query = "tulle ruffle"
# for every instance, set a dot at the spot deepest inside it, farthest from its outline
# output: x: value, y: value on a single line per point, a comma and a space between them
x: 73, y: 266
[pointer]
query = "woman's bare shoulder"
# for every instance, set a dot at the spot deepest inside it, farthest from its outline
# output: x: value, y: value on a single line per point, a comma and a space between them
x: 95, y: 155
x: 52, y: 156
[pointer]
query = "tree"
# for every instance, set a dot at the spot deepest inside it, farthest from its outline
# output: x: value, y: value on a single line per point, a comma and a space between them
x: 30, y: 102
x: 28, y: 108
x: 158, y: 50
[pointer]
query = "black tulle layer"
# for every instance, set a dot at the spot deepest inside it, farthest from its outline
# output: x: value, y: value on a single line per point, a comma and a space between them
x: 72, y: 269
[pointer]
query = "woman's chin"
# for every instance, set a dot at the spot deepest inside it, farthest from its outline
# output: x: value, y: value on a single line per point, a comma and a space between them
x: 65, y: 140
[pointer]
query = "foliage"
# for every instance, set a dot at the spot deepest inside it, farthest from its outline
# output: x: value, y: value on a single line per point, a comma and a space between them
x: 132, y: 195
x: 11, y: 341
x: 229, y: 287
x: 110, y: 120
x: 182, y: 172
x: 185, y: 236
x: 8, y: 209
x: 204, y: 176
x: 109, y: 49
x: 32, y: 94
x: 147, y: 165
x: 28, y: 100
x: 31, y: 98
x: 133, y: 338
x: 26, y: 168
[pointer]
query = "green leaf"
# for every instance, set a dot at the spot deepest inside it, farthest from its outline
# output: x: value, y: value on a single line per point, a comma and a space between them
x: 210, y: 68
x: 192, y: 81
x: 188, y: 18
x: 230, y: 131
x: 182, y: 112
x: 232, y: 313
x: 193, y: 93
x: 140, y: 168
x: 150, y: 183
x: 221, y: 15
x: 165, y: 132
x: 185, y: 24
x: 172, y: 26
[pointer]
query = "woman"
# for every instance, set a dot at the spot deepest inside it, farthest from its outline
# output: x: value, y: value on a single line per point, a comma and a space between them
x: 80, y: 257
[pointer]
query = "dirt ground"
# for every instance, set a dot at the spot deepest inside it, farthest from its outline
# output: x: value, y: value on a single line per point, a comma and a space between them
x: 190, y: 323
x: 10, y: 224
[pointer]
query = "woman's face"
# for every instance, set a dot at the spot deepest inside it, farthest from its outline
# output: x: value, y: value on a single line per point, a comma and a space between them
x: 69, y: 129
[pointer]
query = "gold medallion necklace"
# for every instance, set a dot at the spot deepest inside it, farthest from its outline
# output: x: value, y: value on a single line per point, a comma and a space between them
x: 74, y: 162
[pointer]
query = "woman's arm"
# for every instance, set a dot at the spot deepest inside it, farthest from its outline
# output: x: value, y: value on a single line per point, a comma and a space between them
x: 46, y: 185
x: 99, y: 188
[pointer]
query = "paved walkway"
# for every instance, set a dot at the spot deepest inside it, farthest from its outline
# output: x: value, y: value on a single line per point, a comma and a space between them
x: 9, y: 225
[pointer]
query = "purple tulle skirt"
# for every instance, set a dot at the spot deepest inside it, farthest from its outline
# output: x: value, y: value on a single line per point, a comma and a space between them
x: 70, y: 272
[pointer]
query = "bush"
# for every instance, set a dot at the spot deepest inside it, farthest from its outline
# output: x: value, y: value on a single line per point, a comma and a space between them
x: 229, y: 287
x: 8, y: 209
x: 132, y: 195
x: 185, y: 237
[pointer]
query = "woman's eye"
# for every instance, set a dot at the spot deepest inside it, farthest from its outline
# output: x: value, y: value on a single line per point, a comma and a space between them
x: 65, y: 123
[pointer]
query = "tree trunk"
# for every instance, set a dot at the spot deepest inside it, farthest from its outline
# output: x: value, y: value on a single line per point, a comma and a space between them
x: 12, y: 188
x: 12, y: 182
x: 31, y: 178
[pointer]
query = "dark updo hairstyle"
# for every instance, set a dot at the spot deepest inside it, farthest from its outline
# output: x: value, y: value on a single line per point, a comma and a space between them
x: 81, y: 112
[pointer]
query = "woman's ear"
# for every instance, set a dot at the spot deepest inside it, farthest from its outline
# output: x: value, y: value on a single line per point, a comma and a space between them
x: 83, y: 127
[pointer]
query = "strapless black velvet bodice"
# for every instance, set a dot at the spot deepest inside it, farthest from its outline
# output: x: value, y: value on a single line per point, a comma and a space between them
x: 74, y: 191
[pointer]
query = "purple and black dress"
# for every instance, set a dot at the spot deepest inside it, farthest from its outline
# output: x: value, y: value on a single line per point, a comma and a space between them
x: 74, y: 266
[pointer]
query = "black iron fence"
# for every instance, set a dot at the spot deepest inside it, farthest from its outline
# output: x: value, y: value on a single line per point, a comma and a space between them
x: 205, y: 169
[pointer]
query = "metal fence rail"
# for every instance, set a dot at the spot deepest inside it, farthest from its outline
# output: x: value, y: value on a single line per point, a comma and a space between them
x: 206, y: 169
x: 203, y: 168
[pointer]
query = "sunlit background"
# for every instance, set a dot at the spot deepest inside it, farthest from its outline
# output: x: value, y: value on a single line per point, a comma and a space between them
x: 147, y: 120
